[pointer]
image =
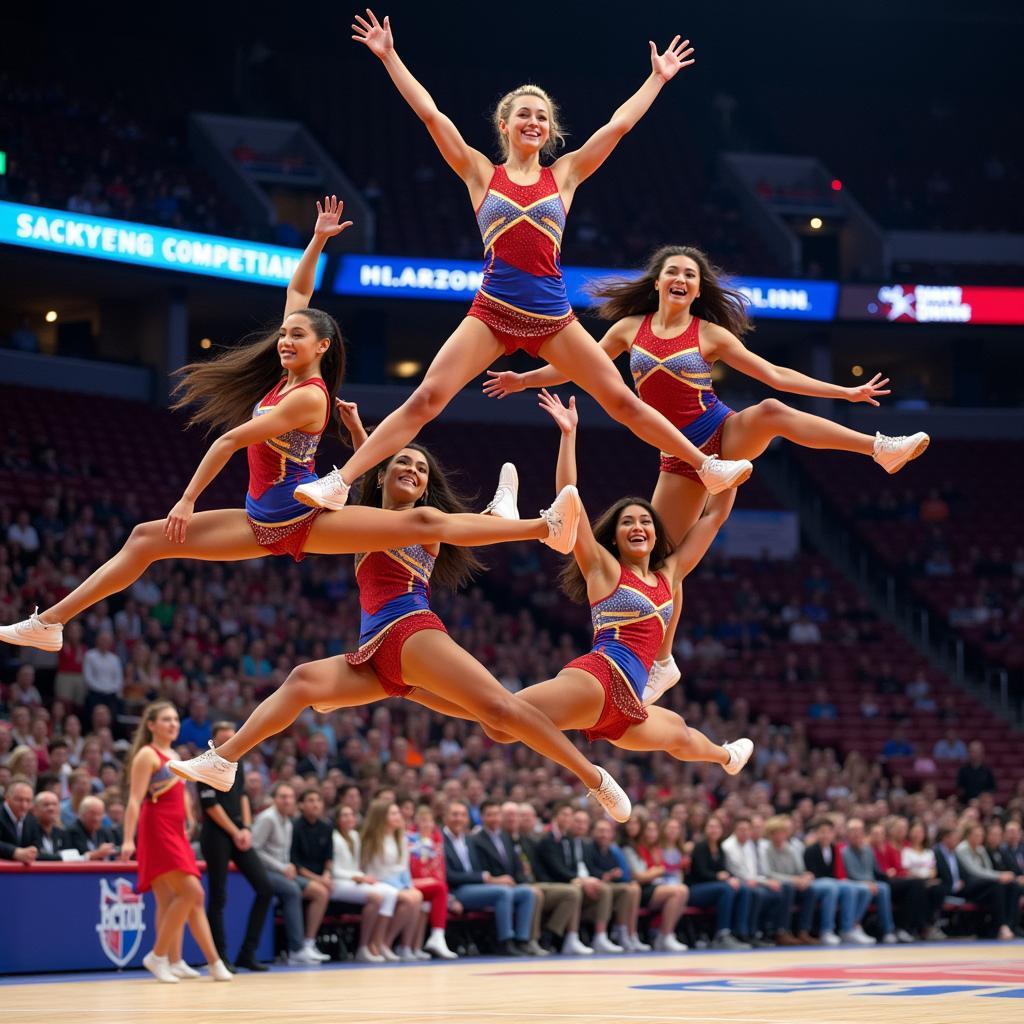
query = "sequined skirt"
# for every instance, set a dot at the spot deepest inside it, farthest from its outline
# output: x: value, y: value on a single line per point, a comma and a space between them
x: 621, y: 709
x: 516, y: 328
x: 288, y: 538
x: 384, y: 651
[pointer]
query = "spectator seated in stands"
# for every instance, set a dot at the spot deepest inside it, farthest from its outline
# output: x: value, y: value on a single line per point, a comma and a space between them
x: 197, y: 729
x: 318, y: 760
x: 385, y: 851
x: 350, y: 884
x: 312, y: 846
x: 821, y: 858
x: 19, y: 830
x: 559, y: 904
x: 476, y: 888
x: 603, y: 859
x: 426, y: 865
x: 772, y: 908
x: 88, y: 835
x: 862, y: 869
x: 1013, y: 849
x: 975, y: 777
x: 52, y: 839
x: 977, y: 865
x: 783, y: 862
x: 712, y: 885
x: 898, y: 745
x: 950, y: 747
x: 918, y: 861
x: 80, y: 786
x: 272, y: 840
x: 822, y: 708
x: 496, y: 853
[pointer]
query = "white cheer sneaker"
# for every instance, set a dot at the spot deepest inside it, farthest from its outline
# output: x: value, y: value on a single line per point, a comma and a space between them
x: 612, y: 797
x: 739, y: 755
x: 31, y: 632
x: 720, y: 474
x: 328, y: 491
x: 208, y: 767
x: 893, y: 453
x: 663, y: 676
x: 563, y: 519
x: 505, y: 503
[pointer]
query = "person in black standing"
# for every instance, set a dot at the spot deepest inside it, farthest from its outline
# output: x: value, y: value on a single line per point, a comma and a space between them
x: 226, y: 836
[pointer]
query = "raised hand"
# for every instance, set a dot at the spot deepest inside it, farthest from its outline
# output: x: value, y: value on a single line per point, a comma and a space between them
x: 376, y: 37
x: 503, y: 384
x: 349, y: 413
x: 676, y: 57
x: 328, y: 217
x: 869, y: 392
x: 565, y: 416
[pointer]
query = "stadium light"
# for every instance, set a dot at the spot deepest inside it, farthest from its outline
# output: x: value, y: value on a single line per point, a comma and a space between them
x: 407, y: 368
x: 816, y: 223
x: 205, y: 343
x: 51, y: 316
x: 837, y: 185
x: 857, y: 370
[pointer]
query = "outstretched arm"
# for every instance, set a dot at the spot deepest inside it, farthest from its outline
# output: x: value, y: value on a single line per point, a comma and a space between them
x: 328, y: 224
x: 724, y: 345
x: 298, y: 410
x: 508, y: 382
x: 468, y: 163
x: 577, y: 166
x: 694, y: 546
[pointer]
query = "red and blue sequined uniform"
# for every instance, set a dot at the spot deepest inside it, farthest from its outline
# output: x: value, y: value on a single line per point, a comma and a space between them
x: 394, y: 597
x: 629, y: 626
x: 672, y: 376
x: 276, y: 467
x: 523, y: 298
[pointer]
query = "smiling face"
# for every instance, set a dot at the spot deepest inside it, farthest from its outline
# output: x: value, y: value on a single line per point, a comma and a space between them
x: 678, y: 283
x: 634, y: 533
x: 404, y: 480
x: 528, y: 125
x: 165, y: 727
x: 298, y: 347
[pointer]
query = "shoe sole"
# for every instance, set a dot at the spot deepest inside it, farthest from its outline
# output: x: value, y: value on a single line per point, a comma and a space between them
x: 572, y: 529
x: 743, y: 765
x: 919, y: 449
x: 741, y: 478
x: 16, y: 641
x: 198, y: 779
x: 307, y: 499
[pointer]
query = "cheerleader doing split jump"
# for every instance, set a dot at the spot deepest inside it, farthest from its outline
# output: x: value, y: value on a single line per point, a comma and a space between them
x: 675, y: 321
x: 521, y: 207
x: 625, y: 565
x: 405, y: 650
x: 290, y: 377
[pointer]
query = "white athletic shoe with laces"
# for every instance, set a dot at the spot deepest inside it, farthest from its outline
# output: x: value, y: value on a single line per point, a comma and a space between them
x: 183, y: 971
x: 663, y: 676
x: 505, y: 503
x: 573, y: 946
x: 893, y: 453
x: 720, y: 474
x: 612, y: 797
x: 209, y: 768
x: 160, y: 968
x: 739, y: 755
x: 31, y: 632
x: 328, y: 491
x: 563, y: 519
x: 602, y: 944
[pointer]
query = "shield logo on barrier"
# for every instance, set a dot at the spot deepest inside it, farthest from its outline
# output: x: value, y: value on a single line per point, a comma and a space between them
x: 121, y: 925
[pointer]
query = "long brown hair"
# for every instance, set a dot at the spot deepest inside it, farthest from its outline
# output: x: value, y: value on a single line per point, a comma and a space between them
x: 222, y: 391
x: 454, y: 566
x: 635, y: 296
x: 503, y: 111
x: 375, y: 830
x: 144, y: 734
x: 571, y: 578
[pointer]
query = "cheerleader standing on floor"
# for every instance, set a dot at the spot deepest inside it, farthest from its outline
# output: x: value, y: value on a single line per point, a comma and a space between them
x: 521, y: 208
x: 167, y: 865
x: 405, y: 650
x: 675, y: 320
x: 302, y: 364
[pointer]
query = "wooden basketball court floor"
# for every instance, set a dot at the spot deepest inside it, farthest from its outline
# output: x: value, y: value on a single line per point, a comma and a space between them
x: 923, y: 984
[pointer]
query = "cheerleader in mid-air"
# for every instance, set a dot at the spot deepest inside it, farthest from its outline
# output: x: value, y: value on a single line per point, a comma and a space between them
x: 405, y: 650
x: 626, y: 567
x: 676, y: 320
x: 275, y: 399
x: 521, y: 207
